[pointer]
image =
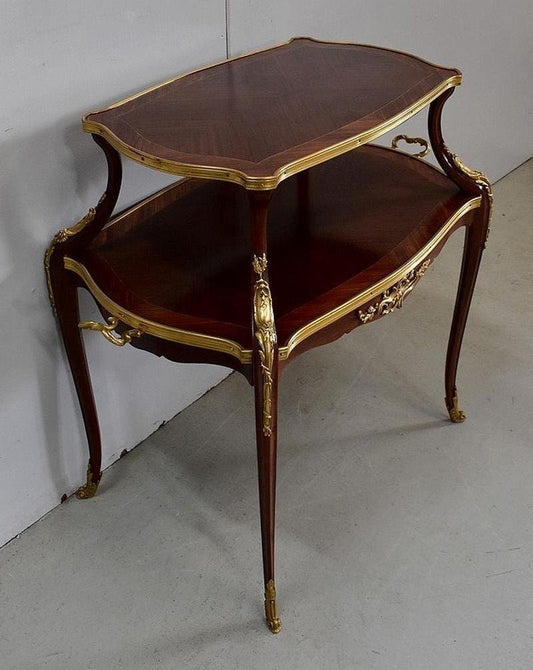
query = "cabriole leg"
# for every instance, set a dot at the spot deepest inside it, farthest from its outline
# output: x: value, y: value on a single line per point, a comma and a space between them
x: 476, y: 184
x: 266, y: 466
x: 265, y: 378
x: 475, y: 235
x: 66, y: 302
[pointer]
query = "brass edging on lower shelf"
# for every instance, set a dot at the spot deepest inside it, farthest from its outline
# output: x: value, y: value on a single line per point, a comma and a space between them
x: 233, y: 348
x: 360, y: 299
x: 270, y: 182
x: 151, y: 327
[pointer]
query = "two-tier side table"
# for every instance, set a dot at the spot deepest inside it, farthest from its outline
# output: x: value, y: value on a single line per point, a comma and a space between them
x: 289, y: 230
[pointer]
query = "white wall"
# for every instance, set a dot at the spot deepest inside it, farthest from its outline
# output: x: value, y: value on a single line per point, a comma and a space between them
x: 60, y: 58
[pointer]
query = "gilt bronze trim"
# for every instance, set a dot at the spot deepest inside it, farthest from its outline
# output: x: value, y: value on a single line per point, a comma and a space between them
x: 88, y: 490
x: 107, y: 331
x: 456, y: 415
x: 267, y: 182
x: 480, y: 178
x: 412, y: 140
x: 394, y: 296
x: 273, y: 621
x: 270, y: 182
x: 60, y: 237
x: 266, y: 337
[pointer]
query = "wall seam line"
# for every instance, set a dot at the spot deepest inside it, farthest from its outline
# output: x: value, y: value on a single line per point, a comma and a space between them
x: 226, y: 13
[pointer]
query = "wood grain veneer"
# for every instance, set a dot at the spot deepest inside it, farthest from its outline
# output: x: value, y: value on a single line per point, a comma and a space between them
x: 257, y: 119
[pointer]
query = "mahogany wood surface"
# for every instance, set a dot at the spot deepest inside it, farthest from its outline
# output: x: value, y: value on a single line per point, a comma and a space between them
x: 475, y: 241
x: 257, y: 114
x: 62, y: 286
x: 266, y: 441
x: 187, y: 264
x: 184, y: 258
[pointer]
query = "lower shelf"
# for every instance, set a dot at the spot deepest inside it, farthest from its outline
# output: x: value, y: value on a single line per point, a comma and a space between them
x: 178, y: 265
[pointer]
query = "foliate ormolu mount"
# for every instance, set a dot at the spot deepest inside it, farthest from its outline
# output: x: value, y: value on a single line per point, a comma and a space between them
x: 479, y: 178
x: 394, y: 296
x: 62, y: 236
x: 266, y: 337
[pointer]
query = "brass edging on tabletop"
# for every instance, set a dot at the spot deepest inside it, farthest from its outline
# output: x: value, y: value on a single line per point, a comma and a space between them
x: 367, y: 46
x: 149, y: 89
x: 360, y: 299
x: 154, y: 196
x: 287, y: 170
x: 144, y: 91
x: 233, y: 348
x: 270, y: 182
x: 151, y: 327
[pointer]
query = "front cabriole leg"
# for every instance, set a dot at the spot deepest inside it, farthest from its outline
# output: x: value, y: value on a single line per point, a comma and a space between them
x: 266, y: 395
x: 265, y: 367
x: 62, y: 290
x: 474, y: 183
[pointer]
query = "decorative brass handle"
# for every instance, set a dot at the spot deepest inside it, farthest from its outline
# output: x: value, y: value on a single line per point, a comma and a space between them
x: 107, y: 331
x: 412, y: 140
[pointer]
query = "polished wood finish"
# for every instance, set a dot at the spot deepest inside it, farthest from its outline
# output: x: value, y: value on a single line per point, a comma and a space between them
x: 63, y: 293
x: 266, y: 443
x: 185, y: 263
x: 475, y: 239
x: 259, y: 114
x: 341, y: 239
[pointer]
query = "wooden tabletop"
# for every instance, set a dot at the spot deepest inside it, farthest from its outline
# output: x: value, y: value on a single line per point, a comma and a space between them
x: 257, y: 119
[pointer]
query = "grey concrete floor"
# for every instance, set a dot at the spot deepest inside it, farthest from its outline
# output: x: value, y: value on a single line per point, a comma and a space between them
x: 403, y: 541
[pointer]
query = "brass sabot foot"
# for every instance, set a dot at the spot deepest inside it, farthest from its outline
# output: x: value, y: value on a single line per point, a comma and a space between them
x: 89, y: 489
x: 456, y: 415
x: 274, y: 625
x: 273, y: 621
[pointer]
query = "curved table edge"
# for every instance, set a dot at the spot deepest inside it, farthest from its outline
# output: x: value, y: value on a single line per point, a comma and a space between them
x: 214, y: 343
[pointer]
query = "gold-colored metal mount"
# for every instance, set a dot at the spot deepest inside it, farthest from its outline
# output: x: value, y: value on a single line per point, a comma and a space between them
x: 456, y: 415
x: 393, y: 297
x: 266, y: 337
x: 412, y: 140
x: 60, y: 237
x: 267, y: 182
x: 107, y: 331
x: 89, y: 489
x: 480, y: 178
x: 273, y: 621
